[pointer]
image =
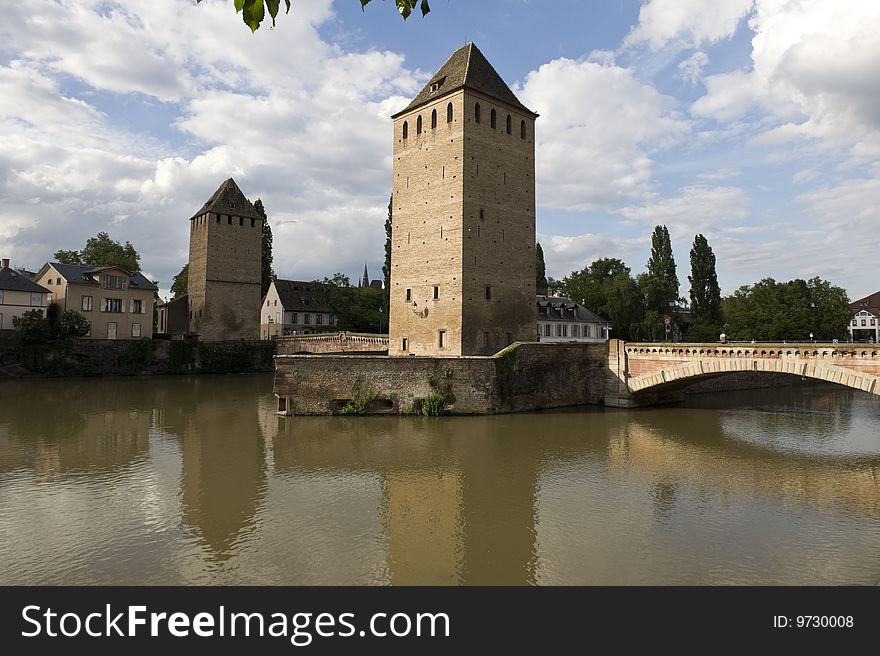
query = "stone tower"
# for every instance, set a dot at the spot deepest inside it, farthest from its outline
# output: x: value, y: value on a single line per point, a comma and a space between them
x: 463, y: 240
x: 225, y: 251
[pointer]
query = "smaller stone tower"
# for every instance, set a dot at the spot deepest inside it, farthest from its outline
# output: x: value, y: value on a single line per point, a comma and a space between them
x: 225, y: 252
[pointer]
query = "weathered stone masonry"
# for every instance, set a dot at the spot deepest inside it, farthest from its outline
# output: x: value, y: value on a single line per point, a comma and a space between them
x: 522, y: 377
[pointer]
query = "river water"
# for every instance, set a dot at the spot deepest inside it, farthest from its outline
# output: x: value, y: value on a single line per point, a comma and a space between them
x: 195, y: 480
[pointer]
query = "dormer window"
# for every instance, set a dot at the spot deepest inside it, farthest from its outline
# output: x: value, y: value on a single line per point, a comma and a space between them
x: 435, y: 86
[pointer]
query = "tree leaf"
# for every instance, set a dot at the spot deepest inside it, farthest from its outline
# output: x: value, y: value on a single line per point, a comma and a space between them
x: 238, y: 5
x: 425, y: 8
x: 272, y: 5
x: 253, y: 13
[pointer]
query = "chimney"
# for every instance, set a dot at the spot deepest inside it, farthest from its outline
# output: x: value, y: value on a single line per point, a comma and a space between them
x: 5, y: 263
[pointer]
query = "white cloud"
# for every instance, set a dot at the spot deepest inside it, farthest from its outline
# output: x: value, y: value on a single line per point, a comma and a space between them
x: 690, y: 23
x: 564, y: 254
x: 696, y: 209
x: 307, y: 132
x: 597, y: 129
x: 814, y: 68
x: 691, y: 69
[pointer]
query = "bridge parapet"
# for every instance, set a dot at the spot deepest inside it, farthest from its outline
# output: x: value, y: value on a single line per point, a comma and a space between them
x: 341, y: 342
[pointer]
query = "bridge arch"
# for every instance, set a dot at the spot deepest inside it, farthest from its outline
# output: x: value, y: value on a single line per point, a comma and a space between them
x: 659, y: 367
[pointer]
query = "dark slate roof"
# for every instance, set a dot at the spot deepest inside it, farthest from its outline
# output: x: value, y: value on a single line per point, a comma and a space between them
x: 14, y: 281
x: 557, y: 308
x: 79, y: 273
x: 228, y: 199
x: 871, y: 303
x: 298, y: 295
x: 467, y: 68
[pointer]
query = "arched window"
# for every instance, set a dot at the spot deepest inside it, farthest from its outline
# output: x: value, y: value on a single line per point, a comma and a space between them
x: 477, y: 112
x: 509, y: 124
x: 493, y: 119
x: 449, y: 113
x: 405, y: 130
x: 522, y: 129
x: 419, y: 124
x: 433, y: 119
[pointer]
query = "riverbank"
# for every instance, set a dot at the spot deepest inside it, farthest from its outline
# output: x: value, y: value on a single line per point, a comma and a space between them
x: 103, y: 357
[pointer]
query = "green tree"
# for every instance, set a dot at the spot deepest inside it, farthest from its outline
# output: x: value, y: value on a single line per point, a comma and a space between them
x: 386, y: 268
x: 35, y: 327
x: 660, y: 282
x: 540, y: 270
x: 180, y: 283
x: 68, y: 257
x: 266, y: 272
x: 607, y: 288
x: 72, y: 324
x: 253, y: 12
x: 706, y: 318
x: 101, y: 251
x: 774, y: 311
x: 358, y: 309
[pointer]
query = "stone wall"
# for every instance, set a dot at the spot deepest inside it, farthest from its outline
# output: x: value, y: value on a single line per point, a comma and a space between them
x: 525, y: 376
x: 103, y: 357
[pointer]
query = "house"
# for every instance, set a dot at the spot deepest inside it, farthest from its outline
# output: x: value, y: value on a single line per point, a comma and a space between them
x: 294, y: 307
x: 562, y: 320
x: 117, y: 303
x: 172, y: 317
x: 18, y: 294
x: 865, y: 324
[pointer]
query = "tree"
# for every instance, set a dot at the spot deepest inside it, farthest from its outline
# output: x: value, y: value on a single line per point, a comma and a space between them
x: 68, y: 257
x: 607, y: 288
x: 34, y: 327
x: 72, y: 324
x: 359, y: 309
x: 180, y: 283
x: 660, y: 282
x: 101, y: 251
x: 386, y: 268
x: 540, y: 270
x: 266, y: 272
x: 775, y: 311
x: 706, y: 318
x: 253, y: 12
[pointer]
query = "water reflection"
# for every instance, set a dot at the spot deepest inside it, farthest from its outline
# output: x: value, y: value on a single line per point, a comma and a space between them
x: 196, y: 480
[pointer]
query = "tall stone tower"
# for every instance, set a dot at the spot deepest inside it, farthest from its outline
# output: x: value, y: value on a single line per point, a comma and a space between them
x: 225, y: 251
x: 463, y: 234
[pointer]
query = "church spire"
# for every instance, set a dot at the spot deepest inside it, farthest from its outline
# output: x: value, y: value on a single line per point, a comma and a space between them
x: 365, y: 281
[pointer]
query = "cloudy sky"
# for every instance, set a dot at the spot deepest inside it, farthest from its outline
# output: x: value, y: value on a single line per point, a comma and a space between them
x: 754, y: 122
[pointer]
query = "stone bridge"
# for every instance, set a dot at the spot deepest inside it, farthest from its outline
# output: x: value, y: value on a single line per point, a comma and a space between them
x: 327, y: 343
x: 652, y: 373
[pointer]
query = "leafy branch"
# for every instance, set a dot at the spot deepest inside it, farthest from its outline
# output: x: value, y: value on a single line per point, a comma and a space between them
x: 254, y: 11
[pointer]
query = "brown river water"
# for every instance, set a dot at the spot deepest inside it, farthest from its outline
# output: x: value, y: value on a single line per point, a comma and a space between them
x: 195, y: 480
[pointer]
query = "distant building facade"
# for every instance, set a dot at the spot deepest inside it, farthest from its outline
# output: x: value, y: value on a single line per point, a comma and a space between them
x: 865, y: 324
x: 294, y: 307
x: 563, y: 320
x: 225, y: 253
x: 18, y: 294
x: 118, y: 304
x: 172, y: 317
x: 463, y: 237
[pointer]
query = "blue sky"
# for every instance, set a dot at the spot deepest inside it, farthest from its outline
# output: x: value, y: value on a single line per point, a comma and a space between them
x: 754, y: 122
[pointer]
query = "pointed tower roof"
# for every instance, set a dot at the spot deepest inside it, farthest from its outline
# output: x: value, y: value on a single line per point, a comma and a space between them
x: 228, y: 199
x: 466, y: 68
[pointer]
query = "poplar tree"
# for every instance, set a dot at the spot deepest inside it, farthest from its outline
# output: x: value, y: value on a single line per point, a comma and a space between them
x: 705, y: 294
x: 266, y: 272
x: 540, y: 270
x: 660, y: 283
